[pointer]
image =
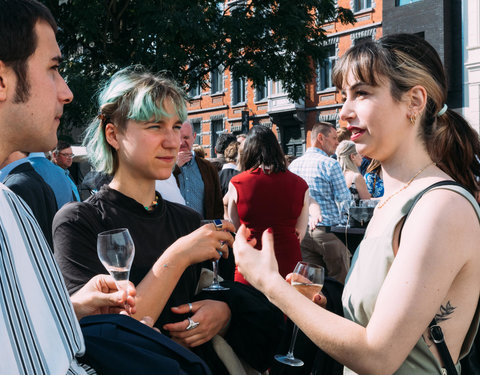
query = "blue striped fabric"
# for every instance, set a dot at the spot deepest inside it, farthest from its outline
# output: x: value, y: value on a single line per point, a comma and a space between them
x: 325, y: 180
x: 39, y: 332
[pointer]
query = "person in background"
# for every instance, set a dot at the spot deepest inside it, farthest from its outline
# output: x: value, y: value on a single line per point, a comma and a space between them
x: 374, y: 180
x: 197, y: 178
x: 54, y: 176
x: 343, y: 134
x: 289, y: 159
x: 241, y: 138
x: 327, y: 186
x: 223, y: 140
x: 230, y: 168
x: 19, y: 176
x: 410, y: 272
x: 199, y: 151
x: 63, y: 157
x: 350, y: 160
x: 266, y: 194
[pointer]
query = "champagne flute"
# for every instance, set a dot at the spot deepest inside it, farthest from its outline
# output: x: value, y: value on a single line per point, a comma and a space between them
x: 308, y: 279
x: 215, y: 285
x: 116, y: 250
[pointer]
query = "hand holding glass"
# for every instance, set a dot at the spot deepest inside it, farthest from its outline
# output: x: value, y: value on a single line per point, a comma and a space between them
x: 308, y: 279
x: 116, y: 250
x: 215, y: 285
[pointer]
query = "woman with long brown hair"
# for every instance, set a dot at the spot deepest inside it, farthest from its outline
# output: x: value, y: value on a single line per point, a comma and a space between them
x: 407, y: 270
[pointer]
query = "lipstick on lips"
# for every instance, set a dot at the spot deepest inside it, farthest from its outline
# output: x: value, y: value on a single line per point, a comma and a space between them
x: 356, y: 132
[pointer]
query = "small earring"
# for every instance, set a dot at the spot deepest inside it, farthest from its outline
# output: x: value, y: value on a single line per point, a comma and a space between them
x: 413, y: 118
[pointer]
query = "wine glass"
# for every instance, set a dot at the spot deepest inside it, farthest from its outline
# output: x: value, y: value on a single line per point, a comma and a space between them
x: 307, y: 278
x: 116, y: 250
x: 215, y: 285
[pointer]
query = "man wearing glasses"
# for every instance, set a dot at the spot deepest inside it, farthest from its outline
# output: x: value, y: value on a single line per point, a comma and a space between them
x: 63, y: 157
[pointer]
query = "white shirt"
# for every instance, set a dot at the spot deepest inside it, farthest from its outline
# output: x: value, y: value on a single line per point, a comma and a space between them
x: 169, y: 190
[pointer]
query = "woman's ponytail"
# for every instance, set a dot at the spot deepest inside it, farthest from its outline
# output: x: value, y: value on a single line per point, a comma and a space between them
x: 455, y: 146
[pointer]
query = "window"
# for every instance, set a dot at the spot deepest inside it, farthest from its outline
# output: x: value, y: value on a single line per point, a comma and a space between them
x: 238, y: 91
x: 277, y: 88
x: 399, y: 3
x: 216, y: 80
x: 216, y: 130
x: 195, y: 90
x: 197, y: 128
x: 325, y: 68
x: 261, y: 92
x: 362, y: 4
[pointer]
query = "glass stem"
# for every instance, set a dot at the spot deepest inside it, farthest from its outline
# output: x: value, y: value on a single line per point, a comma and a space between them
x: 292, y: 342
x: 215, y: 272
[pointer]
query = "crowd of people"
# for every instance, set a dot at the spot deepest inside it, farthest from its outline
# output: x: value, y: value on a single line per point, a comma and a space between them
x: 250, y: 207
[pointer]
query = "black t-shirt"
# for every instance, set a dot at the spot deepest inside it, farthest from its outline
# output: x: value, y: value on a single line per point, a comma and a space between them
x: 256, y: 326
x: 77, y: 224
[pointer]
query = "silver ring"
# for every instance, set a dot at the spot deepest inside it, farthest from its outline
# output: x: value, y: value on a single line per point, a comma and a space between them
x: 190, y: 307
x: 218, y: 224
x: 192, y: 324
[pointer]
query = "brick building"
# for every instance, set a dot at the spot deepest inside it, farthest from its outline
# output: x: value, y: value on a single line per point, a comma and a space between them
x: 232, y: 104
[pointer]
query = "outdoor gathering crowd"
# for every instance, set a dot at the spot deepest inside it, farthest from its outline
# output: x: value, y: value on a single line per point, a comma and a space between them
x: 412, y: 281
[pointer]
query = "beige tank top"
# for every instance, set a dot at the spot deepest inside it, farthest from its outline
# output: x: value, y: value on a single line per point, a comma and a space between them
x: 370, y: 266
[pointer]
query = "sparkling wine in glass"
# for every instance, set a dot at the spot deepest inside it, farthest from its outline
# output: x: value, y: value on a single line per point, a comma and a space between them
x: 215, y: 285
x: 116, y: 250
x: 308, y: 279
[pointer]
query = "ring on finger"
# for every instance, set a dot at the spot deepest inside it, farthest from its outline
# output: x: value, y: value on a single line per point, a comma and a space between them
x: 190, y: 307
x: 191, y: 324
x: 218, y: 224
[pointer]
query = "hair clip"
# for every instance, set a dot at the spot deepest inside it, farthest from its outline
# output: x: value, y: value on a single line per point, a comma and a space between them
x: 102, y: 117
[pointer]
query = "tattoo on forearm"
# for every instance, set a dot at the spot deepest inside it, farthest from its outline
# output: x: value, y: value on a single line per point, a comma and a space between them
x: 445, y: 312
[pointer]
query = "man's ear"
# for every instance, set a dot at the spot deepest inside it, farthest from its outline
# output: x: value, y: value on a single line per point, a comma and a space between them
x: 111, y: 132
x: 5, y: 80
x: 320, y: 137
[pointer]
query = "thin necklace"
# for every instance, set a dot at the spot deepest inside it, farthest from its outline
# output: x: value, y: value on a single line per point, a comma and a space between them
x: 405, y: 186
x: 154, y: 204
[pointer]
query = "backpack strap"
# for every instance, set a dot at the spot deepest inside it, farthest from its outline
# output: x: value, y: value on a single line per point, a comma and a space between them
x: 435, y: 330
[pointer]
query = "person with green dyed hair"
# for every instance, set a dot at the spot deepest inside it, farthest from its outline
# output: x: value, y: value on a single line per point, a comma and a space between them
x: 136, y: 138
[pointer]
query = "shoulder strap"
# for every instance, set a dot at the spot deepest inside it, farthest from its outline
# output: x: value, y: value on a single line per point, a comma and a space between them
x: 419, y: 196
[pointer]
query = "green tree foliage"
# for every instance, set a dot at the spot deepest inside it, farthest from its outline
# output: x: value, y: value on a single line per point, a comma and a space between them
x: 257, y: 39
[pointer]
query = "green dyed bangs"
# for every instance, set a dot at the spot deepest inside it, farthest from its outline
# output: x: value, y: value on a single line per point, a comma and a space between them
x: 148, y: 103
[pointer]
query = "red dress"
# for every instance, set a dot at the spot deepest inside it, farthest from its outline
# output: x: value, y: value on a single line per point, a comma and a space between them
x: 272, y: 201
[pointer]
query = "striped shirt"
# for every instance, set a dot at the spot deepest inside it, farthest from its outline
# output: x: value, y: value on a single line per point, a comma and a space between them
x: 325, y: 180
x: 39, y: 332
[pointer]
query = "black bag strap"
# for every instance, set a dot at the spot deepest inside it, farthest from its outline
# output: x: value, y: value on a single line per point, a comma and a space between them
x: 437, y: 336
x: 435, y: 330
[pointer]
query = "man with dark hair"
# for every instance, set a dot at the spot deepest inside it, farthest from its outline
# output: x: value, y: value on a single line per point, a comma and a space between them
x: 39, y: 328
x: 327, y: 186
x: 62, y: 156
x: 223, y: 141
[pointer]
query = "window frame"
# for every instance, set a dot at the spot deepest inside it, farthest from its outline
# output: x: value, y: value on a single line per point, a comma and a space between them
x: 325, y: 70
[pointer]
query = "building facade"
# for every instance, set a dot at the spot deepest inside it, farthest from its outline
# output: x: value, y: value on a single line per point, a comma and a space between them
x: 232, y: 104
x: 471, y: 43
x: 440, y: 23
